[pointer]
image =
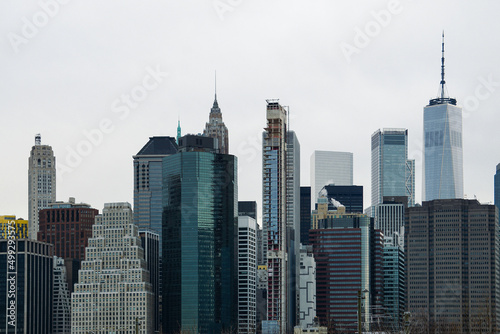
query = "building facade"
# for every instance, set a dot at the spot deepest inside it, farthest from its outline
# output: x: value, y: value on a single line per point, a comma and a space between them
x: 307, y: 308
x: 20, y: 225
x: 394, y: 284
x: 61, y: 300
x: 148, y: 181
x: 497, y: 187
x: 26, y: 286
x: 150, y: 241
x: 389, y: 216
x: 351, y: 197
x: 452, y: 264
x: 215, y: 128
x: 68, y: 226
x: 305, y: 214
x: 443, y: 154
x: 293, y: 225
x: 274, y: 216
x: 41, y: 182
x: 247, y: 208
x: 349, y: 252
x: 247, y: 274
x: 113, y: 292
x: 392, y: 173
x: 199, y: 238
x: 329, y: 167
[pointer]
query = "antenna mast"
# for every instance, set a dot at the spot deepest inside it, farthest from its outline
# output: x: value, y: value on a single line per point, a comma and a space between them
x: 443, y: 82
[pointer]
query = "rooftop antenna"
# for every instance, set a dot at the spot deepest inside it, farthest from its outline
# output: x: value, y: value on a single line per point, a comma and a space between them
x: 443, y: 82
x: 216, y: 84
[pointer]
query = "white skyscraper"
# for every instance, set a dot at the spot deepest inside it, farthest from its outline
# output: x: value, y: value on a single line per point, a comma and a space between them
x: 41, y: 182
x: 328, y: 167
x: 113, y: 293
x: 307, y: 311
x: 247, y: 274
x: 443, y: 154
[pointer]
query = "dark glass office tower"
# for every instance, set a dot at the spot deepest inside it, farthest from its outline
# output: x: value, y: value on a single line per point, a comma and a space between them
x: 199, y: 238
x: 247, y: 208
x: 349, y: 196
x: 26, y: 282
x: 148, y: 181
x: 151, y: 243
x: 305, y: 214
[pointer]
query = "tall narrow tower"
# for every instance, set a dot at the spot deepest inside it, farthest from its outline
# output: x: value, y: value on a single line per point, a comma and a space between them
x: 41, y: 182
x: 274, y: 214
x: 443, y: 155
x: 216, y: 128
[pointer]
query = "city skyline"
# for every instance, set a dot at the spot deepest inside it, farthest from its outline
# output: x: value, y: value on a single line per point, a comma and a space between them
x: 66, y: 82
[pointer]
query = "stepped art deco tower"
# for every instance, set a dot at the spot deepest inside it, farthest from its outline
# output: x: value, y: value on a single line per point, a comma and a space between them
x: 41, y: 182
x: 113, y: 293
x: 443, y: 155
x: 216, y: 128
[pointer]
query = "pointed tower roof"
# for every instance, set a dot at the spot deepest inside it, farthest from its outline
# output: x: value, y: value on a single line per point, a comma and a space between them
x: 215, y: 107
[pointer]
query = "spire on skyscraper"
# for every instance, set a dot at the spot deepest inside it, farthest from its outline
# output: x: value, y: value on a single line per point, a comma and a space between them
x: 443, y: 82
x: 215, y: 107
x: 178, y: 130
x: 442, y: 96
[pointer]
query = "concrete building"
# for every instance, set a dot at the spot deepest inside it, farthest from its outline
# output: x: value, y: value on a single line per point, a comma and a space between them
x: 215, y: 128
x: 199, y: 250
x: 392, y: 173
x: 443, y: 154
x: 389, y: 216
x: 274, y: 216
x: 26, y: 288
x: 247, y: 274
x: 61, y: 300
x: 307, y: 299
x: 41, y: 182
x: 497, y: 187
x: 68, y: 226
x: 113, y: 293
x: 349, y: 252
x: 261, y: 296
x: 20, y: 225
x: 329, y: 167
x: 452, y: 264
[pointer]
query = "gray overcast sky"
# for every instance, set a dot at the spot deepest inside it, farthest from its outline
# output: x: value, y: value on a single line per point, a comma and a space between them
x: 345, y: 69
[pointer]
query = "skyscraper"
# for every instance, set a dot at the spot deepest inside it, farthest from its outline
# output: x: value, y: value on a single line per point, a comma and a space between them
x: 452, y: 265
x: 148, y: 181
x: 113, y: 292
x: 497, y: 187
x: 41, y: 182
x: 199, y: 238
x: 305, y: 214
x: 151, y: 243
x: 68, y: 226
x: 394, y: 283
x: 349, y: 196
x: 215, y: 128
x: 61, y: 300
x: 443, y: 155
x: 348, y: 251
x: 293, y: 224
x: 392, y: 173
x: 20, y: 224
x: 26, y: 286
x: 274, y: 215
x: 328, y: 167
x: 247, y: 274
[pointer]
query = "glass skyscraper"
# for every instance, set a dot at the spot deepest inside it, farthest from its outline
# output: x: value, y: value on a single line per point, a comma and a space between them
x: 392, y: 173
x: 443, y: 155
x: 199, y: 238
